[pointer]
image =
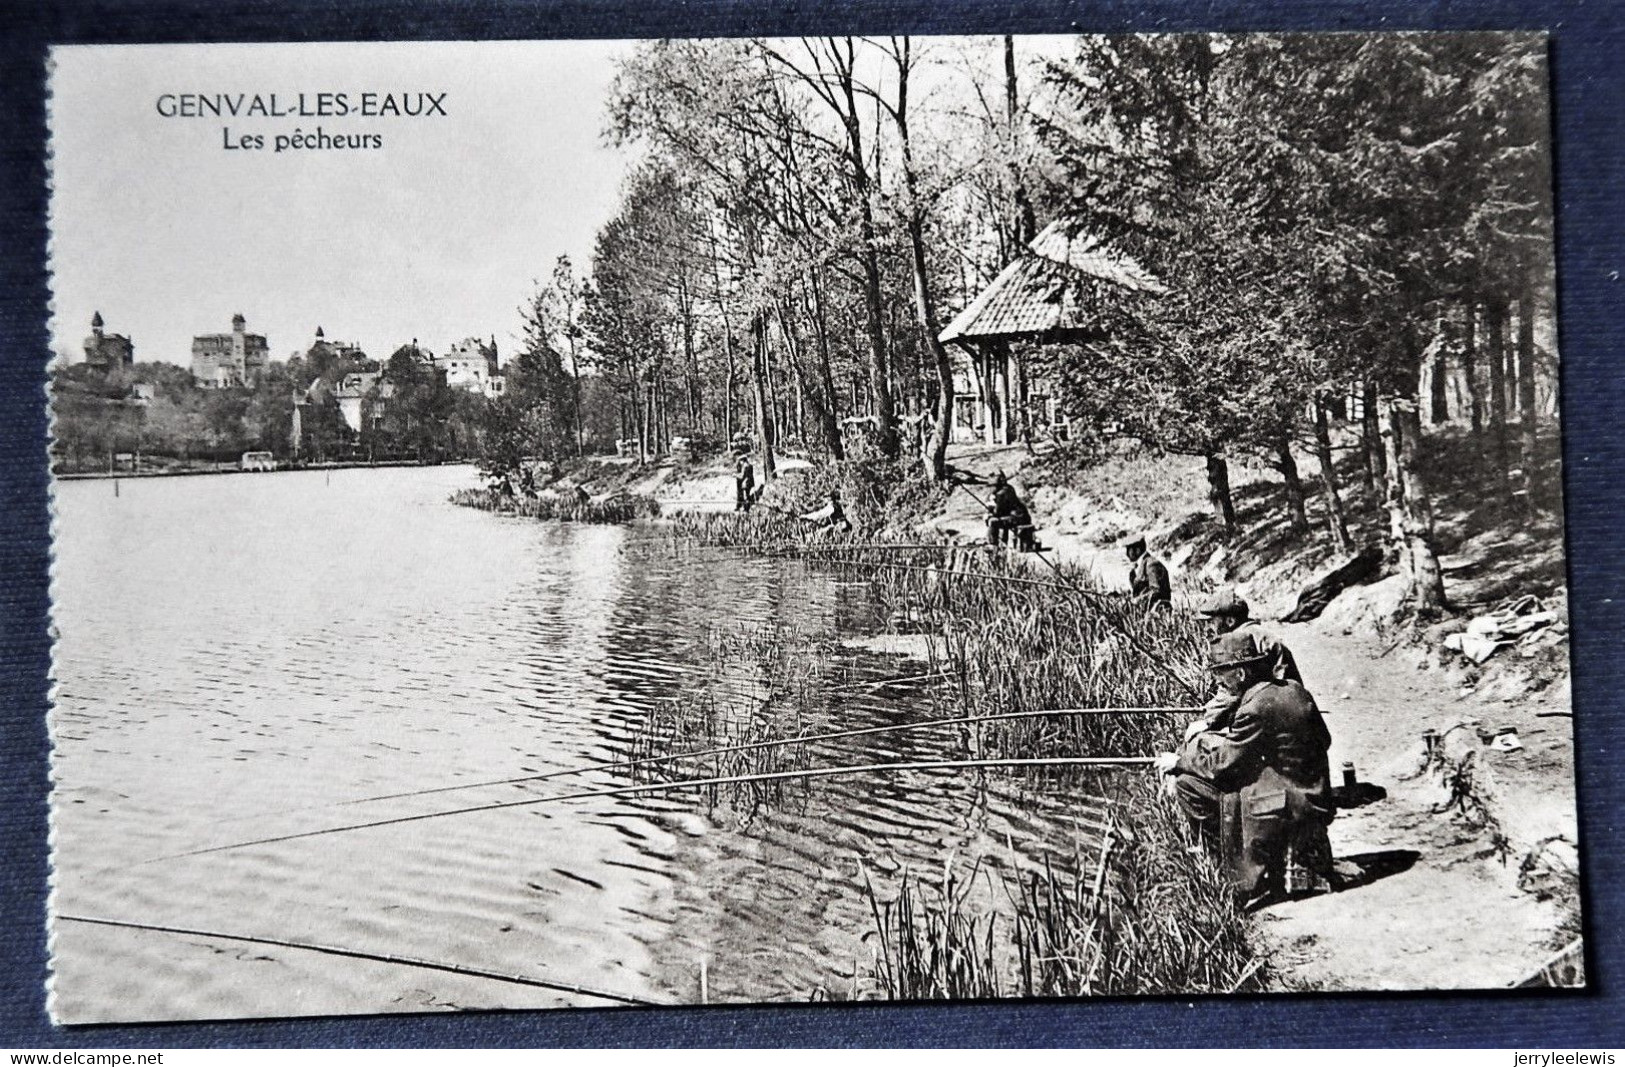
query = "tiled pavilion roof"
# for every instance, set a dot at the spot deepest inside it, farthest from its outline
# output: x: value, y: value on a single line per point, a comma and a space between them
x: 1039, y: 292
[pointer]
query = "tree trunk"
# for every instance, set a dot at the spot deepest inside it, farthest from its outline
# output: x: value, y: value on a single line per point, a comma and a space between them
x: 575, y: 398
x: 1495, y: 344
x: 764, y: 410
x: 1527, y: 427
x: 1371, y: 437
x: 925, y: 311
x: 637, y: 414
x: 829, y: 416
x: 1218, y: 486
x: 936, y: 453
x: 691, y: 358
x: 1023, y: 221
x: 1438, y: 397
x: 1469, y: 368
x: 1410, y: 506
x: 728, y: 394
x: 800, y: 394
x: 1336, y: 521
x: 646, y: 447
x: 1288, y: 466
x: 873, y: 300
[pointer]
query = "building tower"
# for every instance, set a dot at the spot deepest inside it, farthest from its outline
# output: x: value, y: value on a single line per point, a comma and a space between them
x: 107, y: 351
x: 226, y: 360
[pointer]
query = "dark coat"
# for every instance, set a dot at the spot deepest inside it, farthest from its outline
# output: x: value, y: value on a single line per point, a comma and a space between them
x: 1007, y: 505
x: 1148, y: 576
x: 1270, y: 763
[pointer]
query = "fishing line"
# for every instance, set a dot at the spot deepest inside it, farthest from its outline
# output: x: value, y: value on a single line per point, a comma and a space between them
x: 377, y: 957
x: 1104, y: 762
x: 778, y: 742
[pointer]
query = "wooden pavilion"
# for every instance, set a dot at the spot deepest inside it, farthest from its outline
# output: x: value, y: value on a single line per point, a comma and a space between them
x: 1059, y: 291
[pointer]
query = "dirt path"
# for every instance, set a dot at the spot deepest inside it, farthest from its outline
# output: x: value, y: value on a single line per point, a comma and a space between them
x: 1443, y: 911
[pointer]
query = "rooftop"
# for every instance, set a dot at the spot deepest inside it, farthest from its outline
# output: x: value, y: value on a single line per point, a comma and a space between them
x: 1054, y: 287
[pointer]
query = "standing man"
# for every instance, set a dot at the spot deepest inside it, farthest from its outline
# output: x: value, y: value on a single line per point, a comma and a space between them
x: 1226, y: 612
x: 1147, y: 577
x: 744, y: 483
x: 1257, y: 793
x: 1007, y: 514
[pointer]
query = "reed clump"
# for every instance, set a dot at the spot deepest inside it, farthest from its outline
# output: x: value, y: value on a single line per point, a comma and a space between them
x: 722, y: 746
x: 1139, y: 914
x: 761, y: 529
x: 1019, y: 642
x: 932, y: 942
x: 619, y: 508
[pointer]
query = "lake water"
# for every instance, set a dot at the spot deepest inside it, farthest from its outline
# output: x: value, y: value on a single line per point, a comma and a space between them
x: 252, y: 656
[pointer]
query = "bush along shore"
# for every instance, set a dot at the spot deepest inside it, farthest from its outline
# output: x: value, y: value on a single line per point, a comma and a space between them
x: 1133, y: 908
x: 616, y: 508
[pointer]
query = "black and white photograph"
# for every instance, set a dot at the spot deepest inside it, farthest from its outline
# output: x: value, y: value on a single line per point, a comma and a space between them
x: 589, y: 524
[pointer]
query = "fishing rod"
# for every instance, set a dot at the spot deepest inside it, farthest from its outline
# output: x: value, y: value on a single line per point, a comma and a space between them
x: 792, y: 547
x: 780, y: 742
x: 881, y: 683
x: 981, y: 575
x: 376, y: 957
x: 1087, y: 594
x: 1103, y: 762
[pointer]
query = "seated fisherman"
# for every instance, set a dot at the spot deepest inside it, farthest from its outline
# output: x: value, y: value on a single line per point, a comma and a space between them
x: 831, y: 516
x: 1007, y: 514
x: 1257, y: 792
x: 1226, y: 612
x: 1147, y: 577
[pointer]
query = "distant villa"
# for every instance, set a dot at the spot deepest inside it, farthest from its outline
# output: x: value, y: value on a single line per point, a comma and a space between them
x: 107, y: 351
x: 322, y: 347
x: 472, y: 365
x: 225, y: 360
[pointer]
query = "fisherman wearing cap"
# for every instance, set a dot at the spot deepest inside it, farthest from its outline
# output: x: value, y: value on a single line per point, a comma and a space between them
x: 1226, y: 612
x: 1258, y: 792
x: 1007, y: 514
x: 1147, y: 577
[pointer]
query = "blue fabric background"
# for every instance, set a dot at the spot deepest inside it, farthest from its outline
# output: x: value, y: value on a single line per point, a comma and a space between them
x: 1588, y: 50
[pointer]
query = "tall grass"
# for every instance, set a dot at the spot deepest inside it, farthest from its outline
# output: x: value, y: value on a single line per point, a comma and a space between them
x: 1017, y: 639
x: 1142, y: 914
x: 701, y: 724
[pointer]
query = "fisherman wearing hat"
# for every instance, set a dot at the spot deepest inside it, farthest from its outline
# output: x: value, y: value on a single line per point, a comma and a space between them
x: 1226, y: 612
x: 1257, y: 792
x: 1007, y: 513
x: 1147, y: 577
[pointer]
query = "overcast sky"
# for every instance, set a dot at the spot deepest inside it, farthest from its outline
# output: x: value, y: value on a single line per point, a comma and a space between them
x: 437, y: 235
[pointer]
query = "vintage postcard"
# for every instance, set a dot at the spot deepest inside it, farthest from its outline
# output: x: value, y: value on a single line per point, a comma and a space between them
x: 581, y: 524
